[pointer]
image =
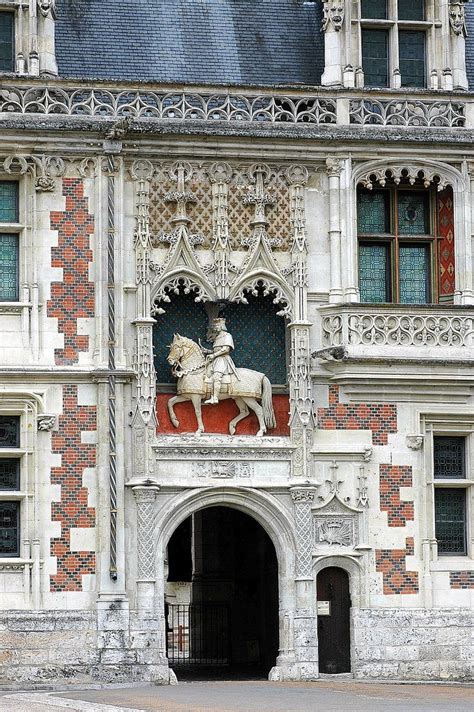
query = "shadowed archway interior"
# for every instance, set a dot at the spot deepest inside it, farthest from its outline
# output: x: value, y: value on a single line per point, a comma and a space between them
x: 221, y: 596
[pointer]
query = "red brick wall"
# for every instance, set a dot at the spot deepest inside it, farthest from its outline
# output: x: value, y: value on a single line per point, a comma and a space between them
x: 392, y: 477
x: 392, y: 564
x: 72, y: 509
x: 380, y: 418
x: 73, y: 298
x: 461, y: 579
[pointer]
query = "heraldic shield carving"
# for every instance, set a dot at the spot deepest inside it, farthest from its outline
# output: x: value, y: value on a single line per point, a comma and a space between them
x: 210, y: 375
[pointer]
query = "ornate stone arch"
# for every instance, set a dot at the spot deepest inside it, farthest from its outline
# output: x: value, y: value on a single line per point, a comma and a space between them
x: 274, y: 519
x: 430, y: 172
x: 272, y: 284
x: 264, y: 508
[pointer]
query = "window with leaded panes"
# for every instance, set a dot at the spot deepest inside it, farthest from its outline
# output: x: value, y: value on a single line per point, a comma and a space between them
x: 450, y: 502
x: 10, y: 482
x: 7, y: 41
x: 393, y: 43
x: 398, y: 250
x: 9, y: 241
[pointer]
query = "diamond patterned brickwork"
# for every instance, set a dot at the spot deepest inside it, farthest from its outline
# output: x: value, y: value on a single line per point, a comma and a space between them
x: 161, y: 212
x: 392, y: 564
x: 72, y: 298
x: 461, y: 579
x: 380, y: 418
x: 72, y: 511
x: 446, y: 245
x: 392, y: 477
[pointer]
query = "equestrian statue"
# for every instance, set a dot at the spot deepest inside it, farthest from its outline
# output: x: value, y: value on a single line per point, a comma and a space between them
x: 210, y: 375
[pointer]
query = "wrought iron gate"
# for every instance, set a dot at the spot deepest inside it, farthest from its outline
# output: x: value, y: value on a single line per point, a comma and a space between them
x: 198, y: 634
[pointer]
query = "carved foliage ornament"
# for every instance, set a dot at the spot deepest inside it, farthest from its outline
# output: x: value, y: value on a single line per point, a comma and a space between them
x: 457, y: 18
x: 333, y: 15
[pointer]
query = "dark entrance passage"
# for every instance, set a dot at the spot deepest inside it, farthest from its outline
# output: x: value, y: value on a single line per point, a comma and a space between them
x: 221, y: 597
x: 334, y: 621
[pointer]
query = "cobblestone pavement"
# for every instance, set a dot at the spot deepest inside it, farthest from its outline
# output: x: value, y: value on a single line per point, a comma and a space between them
x: 325, y: 695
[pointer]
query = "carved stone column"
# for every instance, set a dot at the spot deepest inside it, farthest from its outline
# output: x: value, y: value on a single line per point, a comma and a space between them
x: 145, y: 497
x: 334, y: 54
x: 144, y: 417
x: 305, y: 624
x: 302, y: 421
x: 220, y: 175
x: 46, y: 37
x: 457, y: 24
x: 334, y: 170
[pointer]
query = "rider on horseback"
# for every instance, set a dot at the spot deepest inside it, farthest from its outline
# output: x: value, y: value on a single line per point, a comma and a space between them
x: 219, y: 360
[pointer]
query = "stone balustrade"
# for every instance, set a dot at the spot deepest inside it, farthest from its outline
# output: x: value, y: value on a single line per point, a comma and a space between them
x: 321, y: 106
x: 437, y: 329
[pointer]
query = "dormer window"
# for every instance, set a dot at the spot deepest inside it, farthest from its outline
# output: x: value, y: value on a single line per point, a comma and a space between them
x: 393, y: 40
x: 394, y: 44
x: 7, y: 42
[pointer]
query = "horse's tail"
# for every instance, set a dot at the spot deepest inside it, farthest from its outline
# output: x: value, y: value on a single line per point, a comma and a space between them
x: 267, y: 404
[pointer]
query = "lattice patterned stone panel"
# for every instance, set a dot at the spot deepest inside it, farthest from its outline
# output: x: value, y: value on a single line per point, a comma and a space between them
x: 392, y: 477
x: 72, y: 511
x: 74, y: 297
x: 442, y: 114
x: 380, y: 418
x: 461, y: 579
x: 161, y: 212
x: 392, y: 564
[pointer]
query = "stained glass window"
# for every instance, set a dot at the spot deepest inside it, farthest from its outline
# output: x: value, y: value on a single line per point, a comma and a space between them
x: 259, y: 334
x: 411, y: 10
x: 9, y: 474
x: 9, y: 431
x: 7, y: 22
x: 450, y: 520
x: 411, y: 47
x: 8, y: 201
x: 374, y: 271
x: 8, y: 267
x: 414, y: 274
x: 9, y: 528
x: 413, y: 213
x: 373, y: 212
x: 373, y: 9
x: 375, y: 57
x: 449, y: 457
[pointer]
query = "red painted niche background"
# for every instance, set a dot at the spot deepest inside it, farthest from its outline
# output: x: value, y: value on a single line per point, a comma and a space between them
x: 216, y: 418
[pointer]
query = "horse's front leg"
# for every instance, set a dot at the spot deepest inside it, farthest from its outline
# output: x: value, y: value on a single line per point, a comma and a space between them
x: 172, y: 402
x: 243, y: 413
x: 196, y: 401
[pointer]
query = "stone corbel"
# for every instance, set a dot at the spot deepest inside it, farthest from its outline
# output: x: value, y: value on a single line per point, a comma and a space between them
x: 415, y: 442
x: 46, y: 422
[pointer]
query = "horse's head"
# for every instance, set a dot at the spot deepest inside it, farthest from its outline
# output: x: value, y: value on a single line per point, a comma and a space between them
x: 176, y: 350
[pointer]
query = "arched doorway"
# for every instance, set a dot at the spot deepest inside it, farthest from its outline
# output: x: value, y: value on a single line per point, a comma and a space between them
x: 221, y: 596
x: 334, y: 605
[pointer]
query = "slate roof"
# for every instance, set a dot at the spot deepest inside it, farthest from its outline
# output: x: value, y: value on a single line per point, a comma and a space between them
x: 191, y: 41
x: 264, y: 42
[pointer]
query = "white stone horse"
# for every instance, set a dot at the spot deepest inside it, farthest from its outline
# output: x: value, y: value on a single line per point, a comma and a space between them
x: 189, y: 365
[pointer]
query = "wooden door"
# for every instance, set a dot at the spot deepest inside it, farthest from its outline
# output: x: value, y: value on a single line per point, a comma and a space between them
x: 334, y: 621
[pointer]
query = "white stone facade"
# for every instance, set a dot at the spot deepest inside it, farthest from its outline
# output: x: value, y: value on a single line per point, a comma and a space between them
x: 104, y: 485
